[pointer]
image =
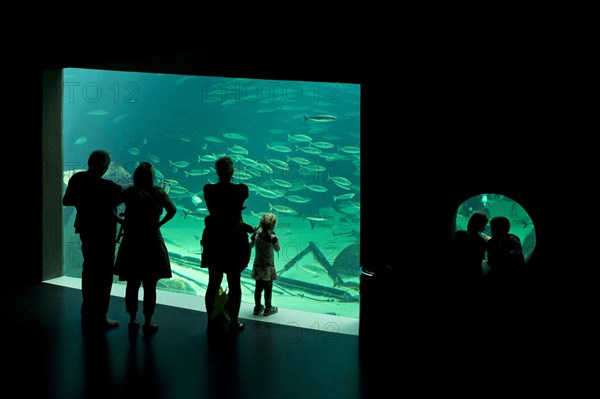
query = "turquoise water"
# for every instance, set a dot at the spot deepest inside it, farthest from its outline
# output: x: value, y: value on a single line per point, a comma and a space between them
x: 296, y: 145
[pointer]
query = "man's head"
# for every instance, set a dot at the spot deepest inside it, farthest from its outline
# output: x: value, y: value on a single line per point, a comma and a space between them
x: 500, y: 226
x: 98, y: 162
x: 225, y: 168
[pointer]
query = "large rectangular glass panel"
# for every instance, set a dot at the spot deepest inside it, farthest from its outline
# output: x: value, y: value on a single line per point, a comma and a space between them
x: 296, y: 145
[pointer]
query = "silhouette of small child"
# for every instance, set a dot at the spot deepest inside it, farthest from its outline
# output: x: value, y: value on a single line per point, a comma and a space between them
x: 266, y: 244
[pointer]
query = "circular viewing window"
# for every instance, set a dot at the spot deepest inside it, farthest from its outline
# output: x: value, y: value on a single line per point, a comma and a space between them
x: 521, y: 224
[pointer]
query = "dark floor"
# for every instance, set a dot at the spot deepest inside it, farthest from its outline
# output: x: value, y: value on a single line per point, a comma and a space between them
x: 431, y: 351
x: 51, y: 357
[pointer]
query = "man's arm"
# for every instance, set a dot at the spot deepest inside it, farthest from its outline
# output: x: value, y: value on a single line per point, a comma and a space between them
x: 71, y: 197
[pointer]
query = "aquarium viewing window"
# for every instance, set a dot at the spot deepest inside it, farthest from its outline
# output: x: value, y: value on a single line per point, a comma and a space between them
x: 296, y: 144
x: 499, y: 205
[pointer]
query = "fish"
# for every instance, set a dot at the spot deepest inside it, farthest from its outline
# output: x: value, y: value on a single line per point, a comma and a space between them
x: 315, y: 187
x: 521, y: 222
x: 237, y: 149
x: 154, y: 158
x: 315, y: 270
x: 179, y: 164
x: 350, y: 149
x: 282, y: 182
x: 322, y: 144
x: 199, y: 214
x: 339, y: 180
x: 263, y: 192
x: 197, y: 172
x: 314, y: 220
x: 178, y: 190
x: 98, y: 112
x: 235, y: 136
x: 320, y: 118
x: 182, y: 80
x: 282, y: 209
x: 119, y: 118
x: 343, y: 197
x: 196, y: 199
x: 298, y: 199
x: 279, y: 148
x: 299, y: 138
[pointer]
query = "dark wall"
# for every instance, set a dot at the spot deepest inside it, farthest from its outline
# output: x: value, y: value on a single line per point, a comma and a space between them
x: 439, y: 125
x: 437, y: 128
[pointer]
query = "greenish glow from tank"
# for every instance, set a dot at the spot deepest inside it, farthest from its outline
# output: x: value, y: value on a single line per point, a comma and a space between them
x: 296, y: 145
x: 499, y: 205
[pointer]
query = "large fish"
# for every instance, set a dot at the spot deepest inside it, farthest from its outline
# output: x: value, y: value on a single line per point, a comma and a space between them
x: 320, y: 118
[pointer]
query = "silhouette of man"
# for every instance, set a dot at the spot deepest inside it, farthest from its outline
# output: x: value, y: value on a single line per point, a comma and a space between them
x: 504, y: 250
x: 95, y: 199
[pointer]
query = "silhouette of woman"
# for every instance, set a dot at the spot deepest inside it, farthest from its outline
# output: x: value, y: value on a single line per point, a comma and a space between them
x: 225, y: 244
x: 143, y: 256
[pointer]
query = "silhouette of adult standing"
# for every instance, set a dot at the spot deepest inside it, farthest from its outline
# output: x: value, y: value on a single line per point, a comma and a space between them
x: 504, y: 250
x: 94, y: 199
x: 225, y: 244
x: 469, y: 248
x: 143, y: 257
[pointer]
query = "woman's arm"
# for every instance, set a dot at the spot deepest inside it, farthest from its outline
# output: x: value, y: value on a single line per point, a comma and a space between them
x: 169, y: 207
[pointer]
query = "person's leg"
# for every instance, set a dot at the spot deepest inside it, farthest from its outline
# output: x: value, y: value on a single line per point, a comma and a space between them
x: 215, y: 278
x: 269, y: 308
x: 97, y: 277
x: 258, y: 292
x: 149, y: 298
x: 89, y: 311
x: 106, y: 273
x: 235, y: 296
x: 258, y: 307
x: 131, y: 298
x: 268, y: 293
x: 149, y: 304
